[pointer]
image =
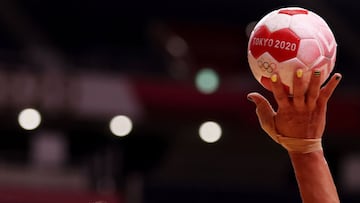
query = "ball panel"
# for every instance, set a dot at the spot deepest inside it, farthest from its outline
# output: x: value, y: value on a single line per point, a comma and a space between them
x: 309, y: 51
x: 281, y: 45
x: 277, y: 22
x: 287, y: 71
x: 317, y: 20
x: 286, y: 44
x: 303, y: 29
x: 326, y: 39
x: 258, y: 42
x: 264, y: 65
x: 293, y: 11
x: 333, y: 59
x: 254, y: 67
x: 326, y: 65
x: 264, y: 19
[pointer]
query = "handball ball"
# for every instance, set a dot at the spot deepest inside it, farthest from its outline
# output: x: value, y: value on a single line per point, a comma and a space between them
x: 287, y: 39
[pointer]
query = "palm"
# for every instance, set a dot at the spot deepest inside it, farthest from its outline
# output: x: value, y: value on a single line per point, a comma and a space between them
x: 306, y: 124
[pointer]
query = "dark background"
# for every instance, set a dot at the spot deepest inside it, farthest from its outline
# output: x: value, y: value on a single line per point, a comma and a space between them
x: 163, y: 159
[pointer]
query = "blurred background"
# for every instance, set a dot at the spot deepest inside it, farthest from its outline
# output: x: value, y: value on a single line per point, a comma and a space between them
x: 145, y: 102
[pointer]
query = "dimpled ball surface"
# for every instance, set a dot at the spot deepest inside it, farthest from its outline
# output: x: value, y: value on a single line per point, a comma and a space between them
x: 287, y: 39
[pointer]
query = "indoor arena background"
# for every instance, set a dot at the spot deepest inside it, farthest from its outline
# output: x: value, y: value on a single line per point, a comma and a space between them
x: 77, y: 64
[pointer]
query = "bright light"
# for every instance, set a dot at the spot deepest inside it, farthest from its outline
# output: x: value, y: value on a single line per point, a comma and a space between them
x: 210, y: 132
x: 120, y: 125
x: 207, y: 81
x: 176, y: 46
x: 29, y: 119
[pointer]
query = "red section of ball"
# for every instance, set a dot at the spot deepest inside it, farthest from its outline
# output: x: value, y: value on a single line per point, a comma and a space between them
x: 282, y: 44
x: 293, y: 12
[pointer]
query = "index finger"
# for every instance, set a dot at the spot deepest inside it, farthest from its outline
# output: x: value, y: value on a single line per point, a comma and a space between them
x: 281, y: 96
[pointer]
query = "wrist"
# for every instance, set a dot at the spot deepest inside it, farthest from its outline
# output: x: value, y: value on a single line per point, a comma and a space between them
x: 300, y: 145
x: 304, y: 160
x: 318, y: 153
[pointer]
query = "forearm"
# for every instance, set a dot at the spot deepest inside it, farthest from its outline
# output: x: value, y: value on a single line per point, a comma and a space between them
x: 314, y: 178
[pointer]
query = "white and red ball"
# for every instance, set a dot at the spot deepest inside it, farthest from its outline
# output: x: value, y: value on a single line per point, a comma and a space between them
x: 287, y: 39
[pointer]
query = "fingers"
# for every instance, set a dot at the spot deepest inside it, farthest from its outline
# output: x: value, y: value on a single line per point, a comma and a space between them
x: 314, y: 89
x: 298, y: 89
x: 281, y: 96
x: 328, y: 89
x: 264, y: 111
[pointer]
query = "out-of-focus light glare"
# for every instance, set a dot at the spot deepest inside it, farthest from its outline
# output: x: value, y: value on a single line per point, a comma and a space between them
x: 176, y: 46
x: 29, y: 119
x: 207, y: 81
x: 121, y: 125
x: 249, y: 28
x: 210, y: 132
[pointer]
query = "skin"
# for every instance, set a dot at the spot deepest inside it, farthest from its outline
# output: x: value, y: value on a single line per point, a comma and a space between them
x: 302, y: 116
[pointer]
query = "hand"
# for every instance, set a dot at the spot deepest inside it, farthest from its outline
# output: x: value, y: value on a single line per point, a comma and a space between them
x: 301, y: 116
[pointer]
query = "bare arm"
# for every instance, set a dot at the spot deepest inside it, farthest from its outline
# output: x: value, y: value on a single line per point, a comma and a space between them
x: 314, y: 178
x: 298, y: 125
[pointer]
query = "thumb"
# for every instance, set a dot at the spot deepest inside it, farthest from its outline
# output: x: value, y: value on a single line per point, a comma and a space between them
x: 265, y: 112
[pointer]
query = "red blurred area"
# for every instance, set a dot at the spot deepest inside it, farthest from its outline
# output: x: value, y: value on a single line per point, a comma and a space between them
x: 17, y: 195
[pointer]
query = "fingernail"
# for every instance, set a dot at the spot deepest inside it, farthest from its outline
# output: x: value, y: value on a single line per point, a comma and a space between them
x: 317, y: 73
x: 299, y: 73
x: 274, y: 78
x: 250, y: 99
x: 337, y: 77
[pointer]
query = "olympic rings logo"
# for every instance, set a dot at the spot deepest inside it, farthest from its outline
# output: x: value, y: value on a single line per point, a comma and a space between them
x: 266, y: 66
